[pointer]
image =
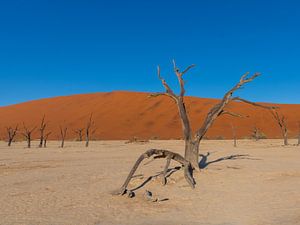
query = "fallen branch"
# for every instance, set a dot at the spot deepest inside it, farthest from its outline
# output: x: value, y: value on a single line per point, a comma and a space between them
x: 158, y: 153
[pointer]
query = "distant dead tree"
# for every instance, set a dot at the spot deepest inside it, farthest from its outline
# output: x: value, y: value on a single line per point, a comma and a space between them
x: 88, y: 130
x: 11, y: 133
x: 46, y: 139
x: 233, y: 130
x: 28, y: 134
x: 281, y: 122
x: 42, y: 131
x: 299, y: 133
x: 63, y: 134
x: 79, y: 133
x: 257, y: 134
x: 192, y: 142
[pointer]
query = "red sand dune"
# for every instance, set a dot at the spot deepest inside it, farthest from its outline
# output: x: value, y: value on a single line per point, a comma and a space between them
x: 124, y: 115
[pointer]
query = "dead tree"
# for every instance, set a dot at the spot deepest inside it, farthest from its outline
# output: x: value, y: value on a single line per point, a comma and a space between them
x: 63, y: 134
x: 192, y: 141
x: 298, y: 133
x: 42, y: 131
x: 46, y: 139
x: 158, y: 153
x: 88, y: 130
x: 190, y: 159
x: 79, y: 132
x: 233, y: 130
x: 28, y: 134
x: 255, y: 133
x: 281, y: 122
x: 11, y: 133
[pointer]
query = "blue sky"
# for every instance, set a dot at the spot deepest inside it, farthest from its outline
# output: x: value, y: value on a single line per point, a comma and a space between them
x: 53, y: 48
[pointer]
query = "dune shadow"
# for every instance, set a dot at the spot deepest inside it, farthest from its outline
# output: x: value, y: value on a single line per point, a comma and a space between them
x: 204, y: 159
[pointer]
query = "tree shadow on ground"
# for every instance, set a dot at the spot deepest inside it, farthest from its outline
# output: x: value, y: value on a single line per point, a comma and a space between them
x: 169, y: 173
x: 204, y: 159
x: 202, y: 165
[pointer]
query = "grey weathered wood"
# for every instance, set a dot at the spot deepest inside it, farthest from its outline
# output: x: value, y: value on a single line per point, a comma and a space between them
x: 192, y: 142
x: 161, y: 154
x: 164, y: 178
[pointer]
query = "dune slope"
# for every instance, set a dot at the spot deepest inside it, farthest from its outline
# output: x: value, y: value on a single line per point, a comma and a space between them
x: 124, y: 115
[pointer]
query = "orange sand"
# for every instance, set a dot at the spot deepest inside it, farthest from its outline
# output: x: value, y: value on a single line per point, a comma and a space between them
x: 123, y: 115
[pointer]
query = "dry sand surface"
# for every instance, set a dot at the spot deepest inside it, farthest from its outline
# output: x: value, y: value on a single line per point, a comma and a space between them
x: 256, y: 183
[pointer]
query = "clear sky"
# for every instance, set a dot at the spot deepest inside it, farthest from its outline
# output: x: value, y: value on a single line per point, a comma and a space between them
x: 60, y: 47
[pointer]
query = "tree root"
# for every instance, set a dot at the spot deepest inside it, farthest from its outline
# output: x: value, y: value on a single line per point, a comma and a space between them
x: 159, y: 153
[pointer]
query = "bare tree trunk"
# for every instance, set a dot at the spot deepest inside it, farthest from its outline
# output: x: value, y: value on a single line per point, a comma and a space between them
x: 46, y: 138
x: 11, y: 133
x: 191, y: 152
x: 285, y: 137
x: 233, y: 129
x: 192, y: 143
x: 190, y: 160
x: 256, y: 133
x: 29, y: 141
x: 298, y: 133
x: 87, y: 139
x: 281, y: 121
x: 27, y: 134
x: 79, y: 132
x: 88, y: 131
x: 63, y: 133
x: 42, y: 130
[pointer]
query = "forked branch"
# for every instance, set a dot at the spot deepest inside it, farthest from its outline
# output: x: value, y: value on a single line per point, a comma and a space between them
x: 219, y: 108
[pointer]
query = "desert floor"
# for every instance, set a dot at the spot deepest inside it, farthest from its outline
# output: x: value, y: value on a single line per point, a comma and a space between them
x: 256, y: 183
